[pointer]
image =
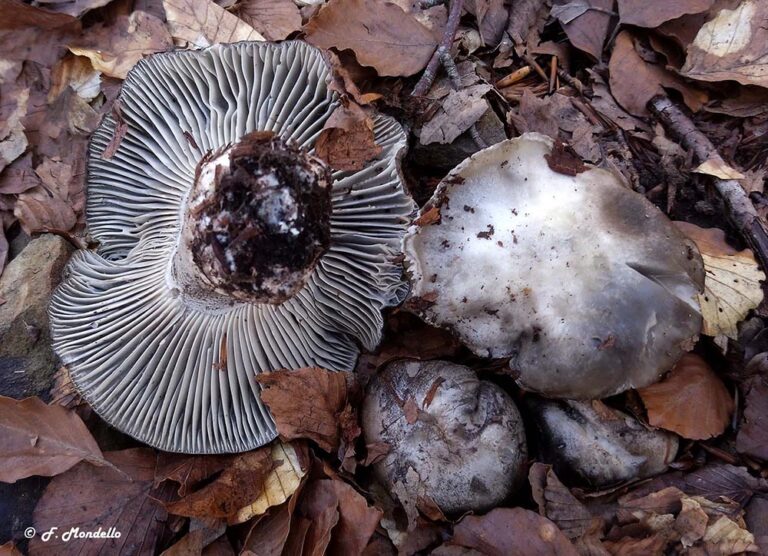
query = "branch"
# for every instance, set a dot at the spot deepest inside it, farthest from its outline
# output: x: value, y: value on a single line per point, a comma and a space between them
x: 443, y: 51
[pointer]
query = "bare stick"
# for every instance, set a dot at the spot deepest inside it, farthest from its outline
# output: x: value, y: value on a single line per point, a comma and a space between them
x: 442, y: 52
x: 740, y: 210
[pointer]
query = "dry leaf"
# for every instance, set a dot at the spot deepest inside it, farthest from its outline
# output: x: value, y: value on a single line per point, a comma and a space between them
x: 9, y: 549
x: 275, y: 19
x: 268, y: 535
x: 586, y: 22
x: 456, y: 114
x: 634, y: 81
x: 37, y: 215
x: 643, y: 13
x: 347, y: 140
x: 100, y: 498
x: 732, y: 46
x: 77, y: 73
x: 380, y: 34
x: 511, y: 532
x: 13, y: 140
x: 202, y: 23
x: 752, y: 439
x: 40, y: 439
x: 15, y: 14
x: 279, y: 484
x: 718, y: 168
x: 75, y: 8
x: 731, y: 283
x: 556, y: 502
x: 201, y: 534
x: 114, y: 50
x: 188, y: 471
x: 305, y: 403
x: 492, y: 16
x: 692, y: 401
x: 237, y: 485
x: 727, y: 537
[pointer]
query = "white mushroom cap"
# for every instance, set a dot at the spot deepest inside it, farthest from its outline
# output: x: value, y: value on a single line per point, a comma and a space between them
x: 465, y: 449
x: 581, y: 282
x: 170, y: 365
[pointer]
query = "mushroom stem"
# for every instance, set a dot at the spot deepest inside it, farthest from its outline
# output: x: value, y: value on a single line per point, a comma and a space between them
x: 259, y: 218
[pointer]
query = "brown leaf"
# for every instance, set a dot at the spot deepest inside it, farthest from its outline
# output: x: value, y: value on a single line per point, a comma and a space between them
x: 268, y: 536
x: 201, y: 534
x: 492, y: 16
x: 9, y: 549
x: 63, y: 391
x: 721, y: 480
x: 512, y: 532
x: 731, y: 46
x: 556, y: 502
x: 347, y: 140
x: 74, y: 72
x: 692, y: 401
x: 381, y: 35
x: 459, y: 111
x: 238, y: 485
x: 275, y: 19
x: 41, y: 215
x: 411, y: 411
x: 202, y: 23
x: 652, y: 14
x: 305, y: 403
x: 100, y: 498
x: 188, y: 471
x: 115, y: 49
x: 634, y: 81
x: 13, y: 141
x: 752, y: 439
x: 18, y: 177
x: 40, y: 439
x: 15, y: 14
x: 586, y: 22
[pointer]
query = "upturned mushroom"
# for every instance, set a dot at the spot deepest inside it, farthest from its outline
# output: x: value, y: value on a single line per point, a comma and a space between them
x: 226, y: 248
x: 453, y: 439
x: 583, y: 284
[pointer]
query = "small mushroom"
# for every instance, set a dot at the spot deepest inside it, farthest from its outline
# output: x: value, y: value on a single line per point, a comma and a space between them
x: 226, y: 248
x: 592, y: 443
x: 583, y: 284
x: 453, y: 439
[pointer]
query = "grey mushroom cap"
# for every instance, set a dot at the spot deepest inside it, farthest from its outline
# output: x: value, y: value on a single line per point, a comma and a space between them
x: 466, y: 448
x: 161, y: 358
x: 583, y: 284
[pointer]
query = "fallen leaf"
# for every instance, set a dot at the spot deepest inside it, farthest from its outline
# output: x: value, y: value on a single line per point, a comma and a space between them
x: 305, y: 403
x: 557, y: 504
x: 40, y: 439
x: 99, y: 499
x: 9, y: 549
x: 275, y: 19
x: 731, y: 46
x: 718, y: 168
x: 491, y: 16
x: 652, y: 14
x: 188, y: 471
x: 239, y: 484
x: 202, y: 23
x: 18, y: 177
x: 691, y: 523
x: 752, y: 439
x: 13, y: 140
x: 77, y: 73
x: 586, y: 22
x: 347, y: 141
x: 201, y: 534
x: 75, y: 8
x: 691, y: 401
x: 113, y: 50
x: 731, y: 283
x: 15, y: 14
x: 456, y: 114
x: 756, y: 519
x: 726, y: 537
x: 279, y: 485
x: 267, y: 537
x: 634, y: 81
x: 718, y: 480
x: 380, y: 34
x: 36, y: 215
x: 511, y: 532
x: 526, y: 20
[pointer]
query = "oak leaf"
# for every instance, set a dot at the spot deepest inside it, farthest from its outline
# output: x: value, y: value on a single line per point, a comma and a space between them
x: 692, y: 401
x: 40, y: 439
x: 380, y: 34
x: 305, y: 403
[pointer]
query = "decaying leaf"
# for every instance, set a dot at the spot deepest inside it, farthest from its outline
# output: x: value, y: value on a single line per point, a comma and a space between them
x: 41, y: 215
x: 268, y: 535
x: 13, y: 141
x: 40, y: 439
x: 279, y: 485
x: 634, y: 81
x: 275, y: 19
x: 380, y: 34
x: 77, y: 73
x: 115, y: 49
x: 455, y: 115
x: 237, y: 485
x: 556, y: 502
x: 100, y: 498
x: 752, y: 439
x: 511, y: 532
x: 586, y: 22
x: 731, y: 283
x: 203, y: 23
x: 652, y: 14
x: 692, y: 401
x: 347, y: 140
x: 731, y: 46
x: 305, y: 403
x: 188, y: 471
x: 719, y: 169
x: 202, y: 532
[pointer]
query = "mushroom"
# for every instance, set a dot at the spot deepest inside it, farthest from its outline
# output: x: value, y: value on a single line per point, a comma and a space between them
x: 592, y: 443
x: 583, y: 284
x: 452, y: 438
x: 226, y: 248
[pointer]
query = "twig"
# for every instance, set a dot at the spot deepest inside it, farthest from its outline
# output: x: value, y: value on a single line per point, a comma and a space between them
x: 740, y: 210
x: 443, y: 52
x: 517, y: 75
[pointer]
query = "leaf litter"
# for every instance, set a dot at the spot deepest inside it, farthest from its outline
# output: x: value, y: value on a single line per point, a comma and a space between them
x: 581, y: 72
